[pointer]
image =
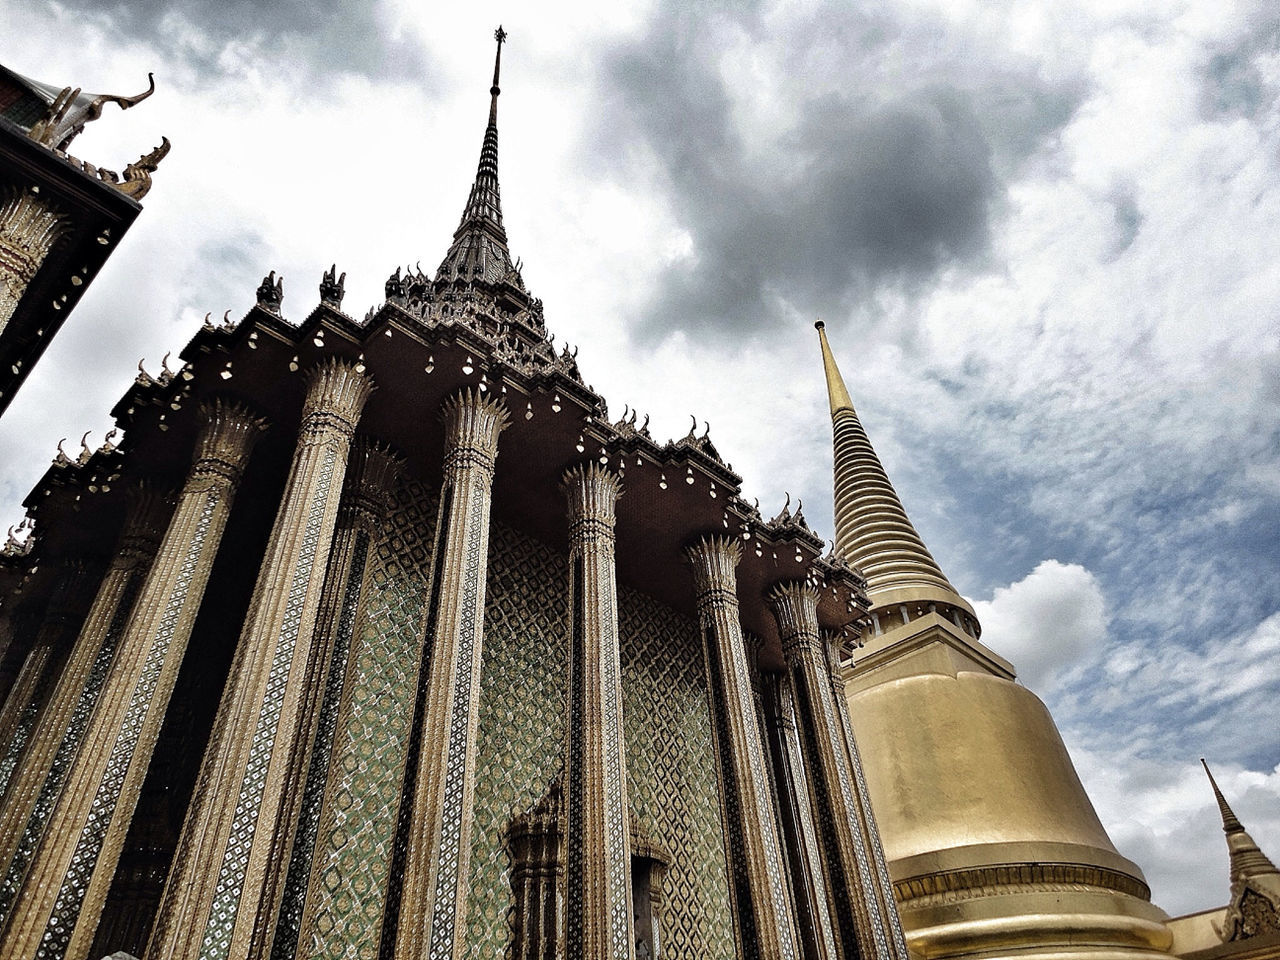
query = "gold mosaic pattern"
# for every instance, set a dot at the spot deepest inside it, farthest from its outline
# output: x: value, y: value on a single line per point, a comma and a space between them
x: 671, y: 767
x: 521, y: 723
x: 357, y: 829
x: 235, y: 861
x: 66, y: 909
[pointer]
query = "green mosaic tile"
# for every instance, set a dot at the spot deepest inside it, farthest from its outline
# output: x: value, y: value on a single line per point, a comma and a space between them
x: 671, y: 769
x: 521, y: 723
x: 357, y: 826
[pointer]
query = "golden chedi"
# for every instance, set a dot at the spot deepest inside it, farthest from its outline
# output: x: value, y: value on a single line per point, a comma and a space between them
x: 992, y: 843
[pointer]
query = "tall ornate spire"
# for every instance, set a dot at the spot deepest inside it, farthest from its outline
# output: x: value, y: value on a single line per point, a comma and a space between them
x: 479, y: 249
x: 873, y: 531
x: 1255, y: 882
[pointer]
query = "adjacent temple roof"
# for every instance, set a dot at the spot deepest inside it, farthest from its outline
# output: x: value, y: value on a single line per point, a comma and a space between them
x: 873, y: 532
x: 54, y: 116
x: 1255, y: 882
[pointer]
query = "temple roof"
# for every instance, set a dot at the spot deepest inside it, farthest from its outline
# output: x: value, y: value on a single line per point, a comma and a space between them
x: 53, y: 115
x: 479, y: 249
x: 1255, y: 882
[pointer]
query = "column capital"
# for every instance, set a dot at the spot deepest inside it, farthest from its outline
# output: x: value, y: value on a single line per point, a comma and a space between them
x: 227, y: 434
x: 795, y: 607
x: 592, y: 492
x: 714, y: 559
x: 373, y: 470
x: 833, y: 644
x: 149, y: 506
x: 337, y: 390
x: 472, y: 422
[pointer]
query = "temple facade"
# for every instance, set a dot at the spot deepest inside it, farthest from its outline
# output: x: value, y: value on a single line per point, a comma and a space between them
x: 382, y: 638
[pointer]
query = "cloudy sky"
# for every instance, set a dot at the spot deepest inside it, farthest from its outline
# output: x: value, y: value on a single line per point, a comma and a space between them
x: 1042, y: 234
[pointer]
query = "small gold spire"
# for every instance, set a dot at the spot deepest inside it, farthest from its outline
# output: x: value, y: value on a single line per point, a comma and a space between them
x: 1255, y: 882
x: 837, y: 392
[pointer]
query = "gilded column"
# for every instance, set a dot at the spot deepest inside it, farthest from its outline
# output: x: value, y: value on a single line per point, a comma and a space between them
x: 598, y: 915
x: 223, y: 889
x: 813, y: 914
x: 26, y: 701
x: 888, y: 904
x: 372, y: 472
x: 431, y: 917
x: 61, y: 728
x: 29, y: 227
x: 866, y: 929
x: 759, y: 895
x: 56, y: 911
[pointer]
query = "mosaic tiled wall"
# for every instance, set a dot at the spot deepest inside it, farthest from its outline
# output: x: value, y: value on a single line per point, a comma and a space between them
x: 521, y: 728
x: 357, y: 828
x: 671, y: 766
x: 672, y: 773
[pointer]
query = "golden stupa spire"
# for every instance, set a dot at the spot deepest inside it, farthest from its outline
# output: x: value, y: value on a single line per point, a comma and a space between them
x: 873, y: 531
x: 1253, y: 878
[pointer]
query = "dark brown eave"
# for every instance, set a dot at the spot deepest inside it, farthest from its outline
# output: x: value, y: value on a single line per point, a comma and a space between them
x: 101, y: 215
x: 673, y: 493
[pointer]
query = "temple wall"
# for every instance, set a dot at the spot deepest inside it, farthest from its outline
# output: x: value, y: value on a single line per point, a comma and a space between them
x: 357, y: 829
x: 672, y: 780
x: 671, y: 766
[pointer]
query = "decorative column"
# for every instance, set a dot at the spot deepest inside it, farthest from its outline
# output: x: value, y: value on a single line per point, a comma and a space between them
x: 57, y: 909
x: 759, y: 892
x: 813, y: 916
x: 29, y: 227
x: 431, y: 917
x: 223, y: 889
x: 372, y: 472
x: 888, y: 904
x: 61, y: 728
x: 598, y: 912
x: 865, y: 929
x: 26, y: 700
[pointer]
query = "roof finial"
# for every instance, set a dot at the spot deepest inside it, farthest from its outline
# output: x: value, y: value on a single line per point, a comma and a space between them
x: 500, y: 35
x: 1255, y: 882
x: 1230, y: 823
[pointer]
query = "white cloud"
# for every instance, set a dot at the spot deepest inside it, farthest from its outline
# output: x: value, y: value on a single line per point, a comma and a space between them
x: 1046, y: 622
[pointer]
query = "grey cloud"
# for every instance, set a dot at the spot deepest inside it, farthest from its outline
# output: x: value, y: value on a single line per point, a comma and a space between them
x: 321, y: 37
x: 1128, y: 221
x: 1233, y: 83
x: 875, y: 184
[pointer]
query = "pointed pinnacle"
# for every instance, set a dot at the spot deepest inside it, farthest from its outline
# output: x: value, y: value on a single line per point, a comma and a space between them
x: 1230, y: 823
x: 837, y: 392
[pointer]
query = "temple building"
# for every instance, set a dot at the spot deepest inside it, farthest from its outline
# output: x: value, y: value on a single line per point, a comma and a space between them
x: 382, y: 638
x: 60, y: 218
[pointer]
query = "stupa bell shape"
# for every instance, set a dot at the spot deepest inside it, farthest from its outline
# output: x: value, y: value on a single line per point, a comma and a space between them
x: 993, y: 845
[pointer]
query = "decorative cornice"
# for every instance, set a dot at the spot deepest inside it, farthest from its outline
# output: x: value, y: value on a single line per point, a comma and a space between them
x: 1001, y: 879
